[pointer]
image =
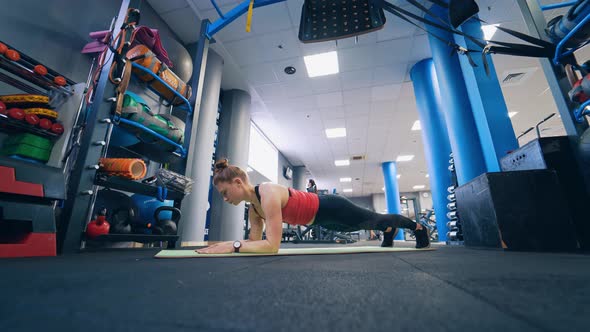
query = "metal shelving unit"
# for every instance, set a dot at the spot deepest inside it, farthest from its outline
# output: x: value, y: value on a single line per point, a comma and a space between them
x: 32, y: 190
x: 87, y: 178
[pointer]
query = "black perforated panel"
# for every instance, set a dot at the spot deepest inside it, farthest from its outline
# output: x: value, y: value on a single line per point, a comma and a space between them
x: 323, y: 20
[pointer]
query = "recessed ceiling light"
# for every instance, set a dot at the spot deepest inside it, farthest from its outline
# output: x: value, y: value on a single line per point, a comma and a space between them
x: 348, y: 190
x: 405, y: 157
x: 321, y: 64
x: 416, y: 125
x: 420, y: 186
x: 343, y: 162
x: 489, y: 30
x: 345, y: 179
x: 399, y: 176
x: 336, y: 132
x: 511, y: 114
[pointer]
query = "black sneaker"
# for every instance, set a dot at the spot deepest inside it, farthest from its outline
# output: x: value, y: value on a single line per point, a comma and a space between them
x: 388, y: 238
x: 422, y: 238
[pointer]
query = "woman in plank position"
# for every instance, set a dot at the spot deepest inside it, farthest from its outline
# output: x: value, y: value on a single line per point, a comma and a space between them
x: 272, y: 204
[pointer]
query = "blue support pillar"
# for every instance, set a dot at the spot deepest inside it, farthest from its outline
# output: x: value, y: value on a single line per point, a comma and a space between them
x: 435, y: 138
x: 392, y: 191
x: 487, y: 101
x: 463, y: 135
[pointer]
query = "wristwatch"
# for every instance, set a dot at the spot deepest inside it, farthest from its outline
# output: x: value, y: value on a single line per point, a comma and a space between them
x: 237, y: 246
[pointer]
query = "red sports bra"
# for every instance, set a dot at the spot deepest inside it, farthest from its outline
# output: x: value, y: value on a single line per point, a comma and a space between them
x: 300, y: 209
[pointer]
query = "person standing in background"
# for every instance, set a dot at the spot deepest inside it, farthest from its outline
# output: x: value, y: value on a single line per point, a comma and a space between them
x: 312, y: 187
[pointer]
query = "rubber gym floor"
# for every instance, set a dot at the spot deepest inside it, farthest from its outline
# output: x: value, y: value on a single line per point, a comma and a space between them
x: 449, y: 289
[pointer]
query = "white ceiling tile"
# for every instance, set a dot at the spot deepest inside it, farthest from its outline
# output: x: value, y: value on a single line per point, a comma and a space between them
x: 295, y: 7
x: 356, y: 133
x: 260, y: 74
x: 271, y: 91
x: 356, y: 58
x: 316, y: 48
x: 297, y: 88
x: 382, y: 107
x: 364, y: 39
x: 356, y: 79
x: 247, y: 51
x: 333, y: 117
x: 358, y: 124
x: 334, y: 122
x: 356, y: 96
x: 280, y: 45
x: 393, y: 73
x: 329, y: 99
x: 271, y: 18
x: 357, y: 109
x: 420, y: 49
x: 392, y: 51
x: 395, y: 28
x: 325, y: 84
x: 306, y: 102
x: 385, y: 92
x: 296, y: 62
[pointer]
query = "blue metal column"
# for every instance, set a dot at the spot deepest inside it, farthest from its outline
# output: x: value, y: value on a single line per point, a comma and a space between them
x: 463, y: 136
x: 487, y: 101
x: 392, y: 191
x: 435, y: 137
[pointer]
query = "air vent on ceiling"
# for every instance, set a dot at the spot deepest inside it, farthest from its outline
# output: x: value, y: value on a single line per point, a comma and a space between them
x: 358, y: 157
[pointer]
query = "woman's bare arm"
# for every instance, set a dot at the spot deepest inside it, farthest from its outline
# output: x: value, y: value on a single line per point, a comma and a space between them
x: 256, y: 225
x: 271, y: 205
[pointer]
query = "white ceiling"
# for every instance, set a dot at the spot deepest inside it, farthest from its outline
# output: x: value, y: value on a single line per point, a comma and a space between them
x: 372, y: 96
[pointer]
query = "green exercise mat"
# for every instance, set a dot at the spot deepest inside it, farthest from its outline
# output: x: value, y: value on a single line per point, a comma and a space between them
x: 190, y: 253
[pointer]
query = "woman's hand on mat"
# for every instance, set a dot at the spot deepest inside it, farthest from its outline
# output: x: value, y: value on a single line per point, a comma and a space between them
x: 218, y: 248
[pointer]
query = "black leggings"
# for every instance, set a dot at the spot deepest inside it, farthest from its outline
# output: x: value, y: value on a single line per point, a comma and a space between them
x: 340, y: 214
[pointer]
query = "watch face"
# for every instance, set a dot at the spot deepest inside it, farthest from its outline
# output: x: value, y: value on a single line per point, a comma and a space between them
x: 237, y: 244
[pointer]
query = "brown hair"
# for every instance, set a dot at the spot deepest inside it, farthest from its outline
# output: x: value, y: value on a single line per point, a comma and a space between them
x: 224, y: 172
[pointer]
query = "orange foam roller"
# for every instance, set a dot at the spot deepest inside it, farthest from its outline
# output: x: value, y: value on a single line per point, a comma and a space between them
x: 130, y: 168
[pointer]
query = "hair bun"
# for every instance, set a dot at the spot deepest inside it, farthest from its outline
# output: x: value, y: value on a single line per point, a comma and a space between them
x: 220, y: 165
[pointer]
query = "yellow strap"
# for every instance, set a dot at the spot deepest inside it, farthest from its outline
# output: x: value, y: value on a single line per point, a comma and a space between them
x: 249, y: 16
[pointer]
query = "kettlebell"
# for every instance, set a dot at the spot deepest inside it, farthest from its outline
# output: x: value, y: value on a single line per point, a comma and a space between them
x: 99, y: 226
x: 121, y: 221
x: 166, y: 226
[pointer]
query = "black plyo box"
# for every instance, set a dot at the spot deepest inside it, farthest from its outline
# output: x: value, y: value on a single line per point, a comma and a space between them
x: 556, y: 153
x: 524, y: 209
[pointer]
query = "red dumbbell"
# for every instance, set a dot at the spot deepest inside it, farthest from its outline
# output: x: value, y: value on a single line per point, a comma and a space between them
x: 32, y: 119
x: 59, y: 80
x: 12, y: 55
x: 3, y: 48
x: 57, y: 128
x: 45, y: 124
x: 40, y: 70
x: 16, y: 113
x: 3, y: 108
